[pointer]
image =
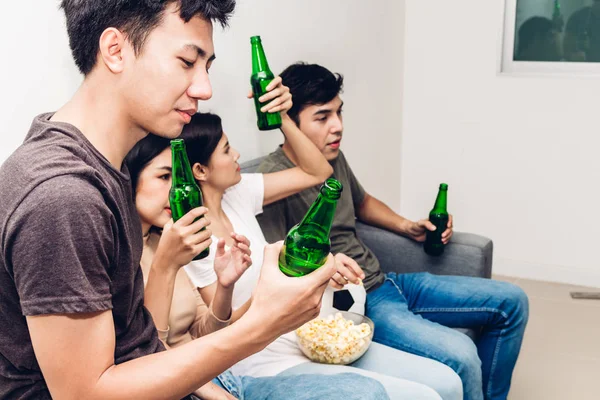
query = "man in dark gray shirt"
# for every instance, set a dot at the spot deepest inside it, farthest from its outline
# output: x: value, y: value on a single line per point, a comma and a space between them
x: 73, y: 324
x: 412, y: 312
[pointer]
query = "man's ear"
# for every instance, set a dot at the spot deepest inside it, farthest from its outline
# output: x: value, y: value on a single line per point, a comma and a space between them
x: 113, y: 50
x: 200, y: 172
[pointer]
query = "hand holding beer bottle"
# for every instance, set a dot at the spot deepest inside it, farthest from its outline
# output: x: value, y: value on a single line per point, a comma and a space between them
x: 284, y: 304
x: 185, y: 193
x: 439, y: 217
x: 183, y: 240
x: 440, y: 227
x: 263, y: 81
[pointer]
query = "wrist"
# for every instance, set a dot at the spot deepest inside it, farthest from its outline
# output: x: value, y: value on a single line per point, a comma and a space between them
x: 163, y: 270
x: 162, y: 263
x: 257, y: 328
x: 225, y: 287
x: 288, y: 126
x: 223, y: 319
x: 403, y: 225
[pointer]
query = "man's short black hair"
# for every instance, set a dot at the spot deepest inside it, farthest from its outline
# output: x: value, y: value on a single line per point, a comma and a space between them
x: 310, y: 84
x: 87, y: 19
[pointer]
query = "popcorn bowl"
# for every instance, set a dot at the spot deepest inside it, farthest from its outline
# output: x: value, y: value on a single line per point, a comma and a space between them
x: 339, y: 338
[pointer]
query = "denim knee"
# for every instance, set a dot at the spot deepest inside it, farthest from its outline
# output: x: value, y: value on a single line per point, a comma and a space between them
x: 353, y: 384
x: 518, y: 304
x: 463, y: 354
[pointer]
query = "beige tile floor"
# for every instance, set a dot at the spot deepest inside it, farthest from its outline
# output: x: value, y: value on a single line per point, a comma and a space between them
x: 560, y: 357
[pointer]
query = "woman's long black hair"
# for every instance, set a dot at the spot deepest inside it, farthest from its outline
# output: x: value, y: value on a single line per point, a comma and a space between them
x: 201, y: 136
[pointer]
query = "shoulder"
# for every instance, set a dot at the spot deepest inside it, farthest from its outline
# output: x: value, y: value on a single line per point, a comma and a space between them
x: 64, y: 191
x: 57, y: 206
x: 249, y: 185
x: 47, y: 169
x: 276, y: 161
x: 247, y: 196
x: 248, y: 182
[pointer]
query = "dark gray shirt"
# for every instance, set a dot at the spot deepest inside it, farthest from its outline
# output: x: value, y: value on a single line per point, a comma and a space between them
x: 277, y: 218
x: 71, y: 242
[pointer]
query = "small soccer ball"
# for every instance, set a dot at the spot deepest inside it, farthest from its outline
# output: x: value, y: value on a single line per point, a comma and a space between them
x: 351, y: 298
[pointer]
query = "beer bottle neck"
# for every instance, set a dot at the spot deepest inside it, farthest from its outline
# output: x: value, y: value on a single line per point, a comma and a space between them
x: 320, y: 216
x: 441, y: 202
x: 259, y: 60
x: 181, y: 170
x: 322, y: 211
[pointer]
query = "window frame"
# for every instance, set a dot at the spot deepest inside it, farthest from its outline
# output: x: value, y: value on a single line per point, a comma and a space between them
x: 507, y: 66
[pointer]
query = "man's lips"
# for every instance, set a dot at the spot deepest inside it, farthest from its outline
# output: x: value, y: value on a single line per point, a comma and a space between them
x: 335, y: 145
x: 168, y: 210
x: 186, y: 115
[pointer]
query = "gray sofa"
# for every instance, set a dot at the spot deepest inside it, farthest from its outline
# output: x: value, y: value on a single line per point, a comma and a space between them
x: 467, y: 254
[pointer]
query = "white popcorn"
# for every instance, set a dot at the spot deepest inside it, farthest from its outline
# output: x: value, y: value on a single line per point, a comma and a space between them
x: 334, y: 340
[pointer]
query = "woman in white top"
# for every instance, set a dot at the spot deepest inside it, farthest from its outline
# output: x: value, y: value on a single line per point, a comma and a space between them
x: 233, y: 201
x: 179, y: 313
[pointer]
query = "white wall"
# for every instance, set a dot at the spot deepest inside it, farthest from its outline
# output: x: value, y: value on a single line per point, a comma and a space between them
x: 361, y: 40
x: 520, y: 153
x: 37, y: 73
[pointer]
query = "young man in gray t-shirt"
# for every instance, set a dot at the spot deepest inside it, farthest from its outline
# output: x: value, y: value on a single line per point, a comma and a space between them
x: 73, y: 322
x: 412, y: 312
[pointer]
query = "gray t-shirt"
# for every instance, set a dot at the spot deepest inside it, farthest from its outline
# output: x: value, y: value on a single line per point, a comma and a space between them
x: 279, y: 217
x: 71, y: 242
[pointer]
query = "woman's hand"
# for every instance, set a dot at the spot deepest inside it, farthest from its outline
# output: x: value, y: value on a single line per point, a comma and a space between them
x: 183, y: 240
x: 230, y: 265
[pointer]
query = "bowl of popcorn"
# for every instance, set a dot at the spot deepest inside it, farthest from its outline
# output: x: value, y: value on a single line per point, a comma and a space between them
x: 341, y: 338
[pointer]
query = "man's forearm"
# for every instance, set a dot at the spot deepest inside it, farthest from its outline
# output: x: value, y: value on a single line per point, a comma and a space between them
x: 374, y: 212
x: 308, y: 156
x: 239, y: 313
x: 179, y: 371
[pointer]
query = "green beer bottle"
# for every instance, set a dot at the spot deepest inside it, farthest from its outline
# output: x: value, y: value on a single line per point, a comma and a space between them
x: 307, y: 244
x: 185, y: 193
x: 438, y: 217
x: 557, y: 18
x: 260, y: 79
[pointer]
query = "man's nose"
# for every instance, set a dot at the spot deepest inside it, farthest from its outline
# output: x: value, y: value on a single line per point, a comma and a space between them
x: 200, y: 89
x: 336, y: 124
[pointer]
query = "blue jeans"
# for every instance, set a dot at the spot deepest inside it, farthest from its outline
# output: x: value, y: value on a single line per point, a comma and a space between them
x: 302, y: 387
x: 414, y: 313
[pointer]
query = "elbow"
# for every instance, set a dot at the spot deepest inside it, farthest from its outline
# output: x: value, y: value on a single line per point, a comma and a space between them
x: 325, y: 173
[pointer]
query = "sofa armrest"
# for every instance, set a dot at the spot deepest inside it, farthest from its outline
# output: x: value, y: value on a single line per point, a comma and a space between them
x: 467, y: 254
